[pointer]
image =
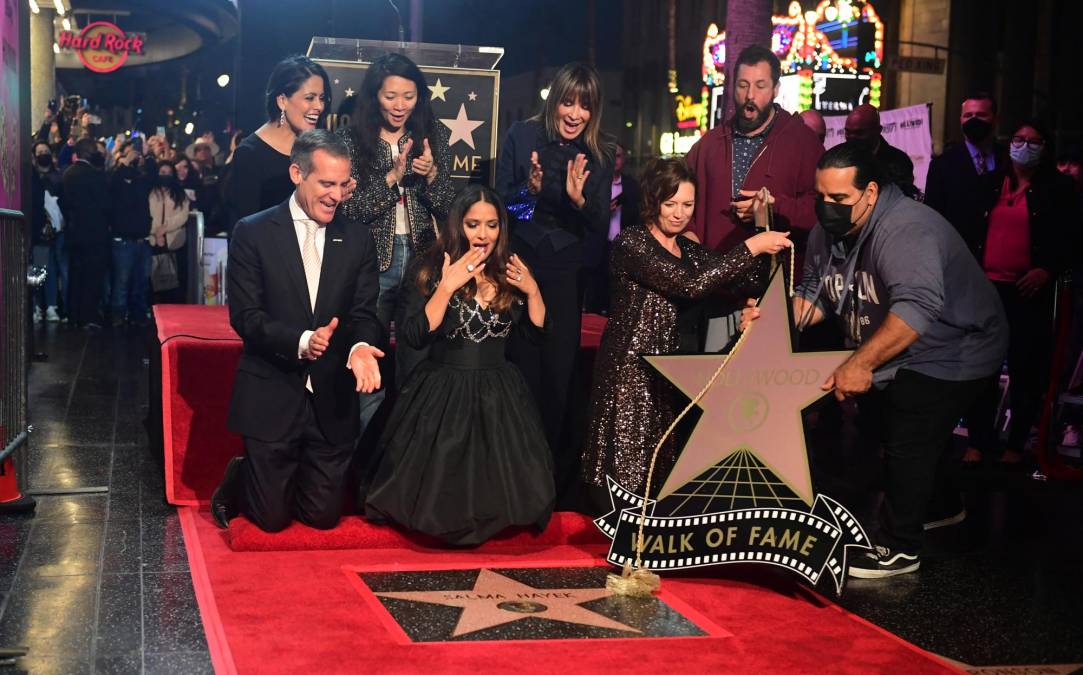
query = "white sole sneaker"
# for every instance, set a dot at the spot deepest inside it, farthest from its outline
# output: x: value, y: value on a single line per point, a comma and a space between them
x: 893, y: 566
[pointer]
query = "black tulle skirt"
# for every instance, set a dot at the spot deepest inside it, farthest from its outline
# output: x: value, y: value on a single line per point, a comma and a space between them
x: 463, y: 456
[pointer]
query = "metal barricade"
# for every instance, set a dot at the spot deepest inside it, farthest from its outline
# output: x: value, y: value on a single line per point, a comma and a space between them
x: 14, y: 358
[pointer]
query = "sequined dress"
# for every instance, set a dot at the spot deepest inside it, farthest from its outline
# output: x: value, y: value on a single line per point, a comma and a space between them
x: 464, y: 454
x: 631, y: 404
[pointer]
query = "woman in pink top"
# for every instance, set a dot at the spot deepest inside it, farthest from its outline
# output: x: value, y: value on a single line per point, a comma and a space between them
x: 1031, y: 229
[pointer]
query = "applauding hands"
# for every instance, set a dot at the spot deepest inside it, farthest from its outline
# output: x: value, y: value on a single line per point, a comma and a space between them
x: 574, y: 181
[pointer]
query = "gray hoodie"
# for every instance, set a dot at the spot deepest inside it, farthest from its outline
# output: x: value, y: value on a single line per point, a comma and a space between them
x: 909, y: 261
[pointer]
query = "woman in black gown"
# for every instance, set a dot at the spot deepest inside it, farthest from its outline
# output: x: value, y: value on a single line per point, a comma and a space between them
x: 464, y: 454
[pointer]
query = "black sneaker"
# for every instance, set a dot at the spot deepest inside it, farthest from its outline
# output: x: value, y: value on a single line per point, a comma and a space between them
x: 883, y: 562
x: 945, y: 519
x: 224, y: 501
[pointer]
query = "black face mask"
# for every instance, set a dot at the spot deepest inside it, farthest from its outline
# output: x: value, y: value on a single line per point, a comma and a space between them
x: 97, y: 160
x: 836, y: 219
x: 976, y: 130
x: 44, y: 161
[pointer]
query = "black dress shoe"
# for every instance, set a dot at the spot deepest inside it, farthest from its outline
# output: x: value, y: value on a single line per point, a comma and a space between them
x: 224, y: 501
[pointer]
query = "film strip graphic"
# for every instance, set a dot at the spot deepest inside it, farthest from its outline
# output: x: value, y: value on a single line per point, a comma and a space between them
x: 808, y: 543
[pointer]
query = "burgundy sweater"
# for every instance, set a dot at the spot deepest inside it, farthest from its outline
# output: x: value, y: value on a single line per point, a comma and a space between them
x: 786, y: 165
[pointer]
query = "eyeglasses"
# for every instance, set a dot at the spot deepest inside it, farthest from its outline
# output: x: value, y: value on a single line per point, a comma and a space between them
x: 1034, y: 143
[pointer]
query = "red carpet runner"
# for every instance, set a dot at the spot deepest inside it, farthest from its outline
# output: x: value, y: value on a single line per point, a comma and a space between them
x: 274, y: 611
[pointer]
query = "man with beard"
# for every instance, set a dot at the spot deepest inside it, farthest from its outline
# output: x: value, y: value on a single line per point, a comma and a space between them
x: 762, y: 145
x: 863, y: 128
x: 963, y: 181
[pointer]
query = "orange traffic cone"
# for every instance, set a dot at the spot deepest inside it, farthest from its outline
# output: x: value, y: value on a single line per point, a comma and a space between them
x: 10, y: 497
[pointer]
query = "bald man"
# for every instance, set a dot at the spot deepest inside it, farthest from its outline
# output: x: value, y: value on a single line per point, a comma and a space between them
x: 863, y: 127
x: 815, y: 121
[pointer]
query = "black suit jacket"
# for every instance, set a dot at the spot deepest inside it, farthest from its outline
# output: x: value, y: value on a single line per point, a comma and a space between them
x: 270, y: 309
x: 85, y: 205
x: 964, y: 198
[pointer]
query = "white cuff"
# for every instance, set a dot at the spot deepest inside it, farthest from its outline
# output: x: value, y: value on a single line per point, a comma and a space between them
x: 302, y: 344
x: 352, y: 349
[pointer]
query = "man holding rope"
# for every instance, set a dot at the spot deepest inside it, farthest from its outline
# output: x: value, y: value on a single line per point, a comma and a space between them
x: 928, y: 330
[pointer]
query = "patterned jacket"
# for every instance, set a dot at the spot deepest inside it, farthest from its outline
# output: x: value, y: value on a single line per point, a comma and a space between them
x: 373, y: 203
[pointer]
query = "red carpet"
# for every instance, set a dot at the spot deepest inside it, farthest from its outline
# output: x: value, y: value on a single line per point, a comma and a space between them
x: 199, y: 354
x: 299, y: 612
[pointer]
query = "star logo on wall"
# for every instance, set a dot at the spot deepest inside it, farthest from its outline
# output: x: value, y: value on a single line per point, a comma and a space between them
x: 462, y: 129
x: 472, y: 96
x: 496, y: 600
x: 438, y: 90
x: 736, y: 415
x: 349, y: 92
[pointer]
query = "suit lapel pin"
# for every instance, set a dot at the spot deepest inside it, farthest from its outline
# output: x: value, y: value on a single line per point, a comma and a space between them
x: 339, y: 241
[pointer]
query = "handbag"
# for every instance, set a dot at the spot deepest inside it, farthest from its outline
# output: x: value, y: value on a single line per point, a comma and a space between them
x: 163, y: 272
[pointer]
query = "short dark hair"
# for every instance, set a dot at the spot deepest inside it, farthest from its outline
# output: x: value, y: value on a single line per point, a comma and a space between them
x: 850, y: 154
x: 288, y: 76
x: 313, y: 140
x: 753, y: 54
x: 658, y: 182
x: 34, y: 147
x: 980, y: 95
x: 85, y: 147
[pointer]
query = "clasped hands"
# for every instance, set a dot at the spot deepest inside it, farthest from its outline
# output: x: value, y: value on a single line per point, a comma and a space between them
x: 424, y: 165
x: 849, y: 379
x: 363, y: 363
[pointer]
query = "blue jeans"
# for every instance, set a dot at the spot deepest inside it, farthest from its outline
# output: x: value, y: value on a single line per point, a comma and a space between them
x: 390, y: 307
x: 130, y: 279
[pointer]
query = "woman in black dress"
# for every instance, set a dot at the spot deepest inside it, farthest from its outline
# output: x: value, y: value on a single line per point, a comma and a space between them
x: 298, y: 94
x: 655, y: 272
x: 463, y: 455
x: 555, y: 172
x: 402, y: 166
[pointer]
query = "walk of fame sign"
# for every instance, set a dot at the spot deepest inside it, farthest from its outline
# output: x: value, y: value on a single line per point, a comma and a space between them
x: 741, y: 491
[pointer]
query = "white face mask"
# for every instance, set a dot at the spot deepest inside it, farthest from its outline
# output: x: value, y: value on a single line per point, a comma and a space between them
x: 1026, y: 156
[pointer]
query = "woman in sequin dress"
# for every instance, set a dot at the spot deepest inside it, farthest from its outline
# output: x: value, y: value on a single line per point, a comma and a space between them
x: 402, y: 165
x: 463, y: 455
x: 654, y: 272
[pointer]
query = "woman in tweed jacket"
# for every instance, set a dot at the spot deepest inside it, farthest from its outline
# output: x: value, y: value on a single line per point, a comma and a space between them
x: 402, y: 165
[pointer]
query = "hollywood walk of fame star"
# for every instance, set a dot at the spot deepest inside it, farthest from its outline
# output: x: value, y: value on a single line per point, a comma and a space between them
x: 756, y: 403
x: 496, y: 600
x: 462, y: 129
x: 336, y: 80
x: 438, y: 90
x: 349, y: 92
x: 472, y: 96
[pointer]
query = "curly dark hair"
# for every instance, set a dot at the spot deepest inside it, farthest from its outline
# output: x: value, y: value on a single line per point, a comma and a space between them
x: 659, y: 181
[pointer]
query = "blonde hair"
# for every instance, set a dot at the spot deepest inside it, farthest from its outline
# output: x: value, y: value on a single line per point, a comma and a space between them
x: 578, y: 81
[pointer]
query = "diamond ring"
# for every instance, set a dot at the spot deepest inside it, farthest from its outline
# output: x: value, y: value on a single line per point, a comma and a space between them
x: 520, y: 277
x: 469, y: 268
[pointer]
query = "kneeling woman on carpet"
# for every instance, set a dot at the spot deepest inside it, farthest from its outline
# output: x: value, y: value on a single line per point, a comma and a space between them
x: 464, y: 454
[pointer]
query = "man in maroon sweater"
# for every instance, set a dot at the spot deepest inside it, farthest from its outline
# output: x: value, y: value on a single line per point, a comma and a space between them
x: 762, y: 145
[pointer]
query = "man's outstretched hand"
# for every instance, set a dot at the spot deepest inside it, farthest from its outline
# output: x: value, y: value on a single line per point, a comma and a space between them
x: 366, y: 369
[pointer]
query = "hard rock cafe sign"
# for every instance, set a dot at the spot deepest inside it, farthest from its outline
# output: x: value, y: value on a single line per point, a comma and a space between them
x: 102, y: 46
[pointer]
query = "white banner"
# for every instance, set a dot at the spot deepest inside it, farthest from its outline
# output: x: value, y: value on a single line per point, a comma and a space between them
x: 905, y: 128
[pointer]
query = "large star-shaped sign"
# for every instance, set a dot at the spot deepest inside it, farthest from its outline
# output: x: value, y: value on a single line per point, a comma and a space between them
x: 496, y: 600
x: 462, y: 129
x: 756, y: 403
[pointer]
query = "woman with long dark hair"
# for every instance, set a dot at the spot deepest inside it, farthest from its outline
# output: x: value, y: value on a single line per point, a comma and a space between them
x: 1023, y: 252
x: 169, y: 206
x: 297, y: 98
x: 463, y: 455
x: 656, y: 272
x: 402, y: 165
x: 555, y: 172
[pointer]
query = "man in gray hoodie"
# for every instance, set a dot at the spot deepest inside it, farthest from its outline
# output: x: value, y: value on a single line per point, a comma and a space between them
x: 927, y: 326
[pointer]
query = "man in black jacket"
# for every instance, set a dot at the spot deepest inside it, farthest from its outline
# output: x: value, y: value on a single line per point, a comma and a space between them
x: 129, y: 190
x: 963, y: 180
x: 46, y: 236
x: 302, y: 296
x: 86, y: 209
x: 863, y: 127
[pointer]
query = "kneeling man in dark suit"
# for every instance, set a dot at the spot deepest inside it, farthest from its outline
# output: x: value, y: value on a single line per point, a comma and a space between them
x: 302, y: 296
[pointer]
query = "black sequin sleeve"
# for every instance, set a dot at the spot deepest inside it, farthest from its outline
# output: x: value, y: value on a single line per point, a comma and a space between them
x: 373, y: 196
x: 637, y: 254
x: 415, y: 326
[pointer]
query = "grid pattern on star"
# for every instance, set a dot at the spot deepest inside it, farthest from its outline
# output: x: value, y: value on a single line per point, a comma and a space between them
x: 739, y: 481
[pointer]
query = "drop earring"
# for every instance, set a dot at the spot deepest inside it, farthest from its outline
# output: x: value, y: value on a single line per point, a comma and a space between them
x: 282, y: 118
